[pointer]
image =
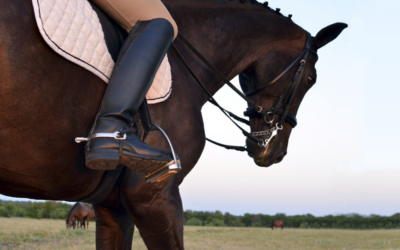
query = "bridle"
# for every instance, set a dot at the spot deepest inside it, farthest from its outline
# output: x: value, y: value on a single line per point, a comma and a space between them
x: 282, y: 104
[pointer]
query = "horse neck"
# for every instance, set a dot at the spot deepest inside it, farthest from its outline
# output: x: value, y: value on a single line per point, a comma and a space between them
x: 72, y: 212
x: 230, y: 35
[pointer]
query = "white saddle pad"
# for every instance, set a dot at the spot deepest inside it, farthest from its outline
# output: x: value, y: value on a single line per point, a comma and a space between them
x: 72, y: 29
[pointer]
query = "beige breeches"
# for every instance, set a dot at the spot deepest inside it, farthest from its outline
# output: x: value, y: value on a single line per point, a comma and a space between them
x: 127, y: 12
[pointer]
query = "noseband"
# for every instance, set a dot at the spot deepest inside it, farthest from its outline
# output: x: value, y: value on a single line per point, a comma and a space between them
x: 282, y: 104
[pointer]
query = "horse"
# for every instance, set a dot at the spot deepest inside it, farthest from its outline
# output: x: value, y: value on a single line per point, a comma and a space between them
x: 46, y: 101
x: 277, y: 223
x: 90, y: 216
x: 79, y: 212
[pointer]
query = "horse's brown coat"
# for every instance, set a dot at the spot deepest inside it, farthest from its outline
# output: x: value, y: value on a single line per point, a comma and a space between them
x: 277, y: 223
x: 81, y: 212
x: 45, y: 101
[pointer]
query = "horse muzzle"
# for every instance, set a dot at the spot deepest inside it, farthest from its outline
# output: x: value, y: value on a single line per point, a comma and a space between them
x: 272, y: 153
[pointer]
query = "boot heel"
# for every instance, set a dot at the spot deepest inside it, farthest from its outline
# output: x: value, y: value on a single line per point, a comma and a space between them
x: 100, y: 160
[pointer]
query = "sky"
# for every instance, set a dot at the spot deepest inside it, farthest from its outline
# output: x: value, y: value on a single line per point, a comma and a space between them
x: 343, y: 155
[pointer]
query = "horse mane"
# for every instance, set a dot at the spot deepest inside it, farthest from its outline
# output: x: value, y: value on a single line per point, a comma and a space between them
x: 252, y: 3
x: 264, y: 5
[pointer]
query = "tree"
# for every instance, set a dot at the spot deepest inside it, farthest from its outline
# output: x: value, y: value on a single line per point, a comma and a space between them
x: 48, y: 209
x: 4, y: 212
x: 230, y: 220
x: 246, y: 220
x: 194, y: 222
x: 34, y: 212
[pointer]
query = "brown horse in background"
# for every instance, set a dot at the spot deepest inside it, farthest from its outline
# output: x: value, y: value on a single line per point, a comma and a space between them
x: 79, y: 212
x: 277, y: 223
x: 46, y: 101
x: 90, y: 216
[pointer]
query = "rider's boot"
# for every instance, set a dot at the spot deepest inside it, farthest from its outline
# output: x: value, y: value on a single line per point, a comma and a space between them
x: 111, y: 141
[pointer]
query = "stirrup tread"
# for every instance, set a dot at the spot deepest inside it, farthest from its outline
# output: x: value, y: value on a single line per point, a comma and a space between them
x: 164, y: 173
x: 148, y: 166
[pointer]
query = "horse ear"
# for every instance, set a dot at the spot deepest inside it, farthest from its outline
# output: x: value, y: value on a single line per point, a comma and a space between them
x: 328, y: 34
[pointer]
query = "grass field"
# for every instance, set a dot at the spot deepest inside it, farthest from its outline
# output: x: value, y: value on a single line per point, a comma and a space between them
x: 21, y: 233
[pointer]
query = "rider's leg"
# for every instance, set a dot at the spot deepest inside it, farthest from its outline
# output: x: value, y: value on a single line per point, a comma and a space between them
x: 137, y: 63
x: 127, y: 12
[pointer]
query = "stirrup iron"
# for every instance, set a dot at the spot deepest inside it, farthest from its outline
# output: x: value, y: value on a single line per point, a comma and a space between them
x: 168, y: 171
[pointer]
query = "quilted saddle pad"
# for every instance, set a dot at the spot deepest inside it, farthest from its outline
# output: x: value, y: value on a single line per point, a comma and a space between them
x: 73, y: 30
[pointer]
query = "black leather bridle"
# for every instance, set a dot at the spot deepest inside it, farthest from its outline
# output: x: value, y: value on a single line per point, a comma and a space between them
x: 286, y: 97
x: 282, y: 104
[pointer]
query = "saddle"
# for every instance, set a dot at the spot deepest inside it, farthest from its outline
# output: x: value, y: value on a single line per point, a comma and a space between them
x: 80, y: 32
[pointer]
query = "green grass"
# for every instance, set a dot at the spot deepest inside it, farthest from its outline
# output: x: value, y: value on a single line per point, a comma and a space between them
x: 23, y: 233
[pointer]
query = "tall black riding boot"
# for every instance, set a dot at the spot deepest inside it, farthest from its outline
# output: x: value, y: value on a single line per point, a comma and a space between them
x: 110, y: 142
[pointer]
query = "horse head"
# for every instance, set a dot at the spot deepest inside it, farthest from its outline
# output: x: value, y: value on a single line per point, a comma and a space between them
x: 68, y: 223
x: 277, y: 82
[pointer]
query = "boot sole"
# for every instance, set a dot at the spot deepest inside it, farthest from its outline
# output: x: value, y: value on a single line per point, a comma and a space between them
x: 109, y: 159
x: 102, y: 160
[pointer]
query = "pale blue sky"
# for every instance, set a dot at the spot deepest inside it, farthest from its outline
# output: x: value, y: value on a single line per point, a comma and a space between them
x: 342, y: 157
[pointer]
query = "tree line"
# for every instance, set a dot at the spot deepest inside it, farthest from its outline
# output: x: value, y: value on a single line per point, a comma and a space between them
x: 60, y: 210
x: 35, y: 210
x: 348, y: 221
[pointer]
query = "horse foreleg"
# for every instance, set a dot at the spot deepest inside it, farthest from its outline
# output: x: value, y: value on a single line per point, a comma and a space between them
x: 114, y: 228
x: 156, y: 210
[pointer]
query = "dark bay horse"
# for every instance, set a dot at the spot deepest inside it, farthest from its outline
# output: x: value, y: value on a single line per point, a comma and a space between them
x: 277, y: 223
x: 79, y: 213
x: 46, y: 101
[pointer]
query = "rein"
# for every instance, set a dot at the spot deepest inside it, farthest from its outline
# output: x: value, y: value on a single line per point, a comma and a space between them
x: 255, y: 110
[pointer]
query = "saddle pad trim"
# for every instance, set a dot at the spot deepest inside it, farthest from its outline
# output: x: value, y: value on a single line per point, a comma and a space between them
x: 159, y: 99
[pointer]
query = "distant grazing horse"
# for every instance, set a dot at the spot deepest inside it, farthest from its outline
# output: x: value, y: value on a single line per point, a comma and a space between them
x: 79, y: 212
x: 90, y: 216
x: 46, y: 101
x: 277, y: 223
